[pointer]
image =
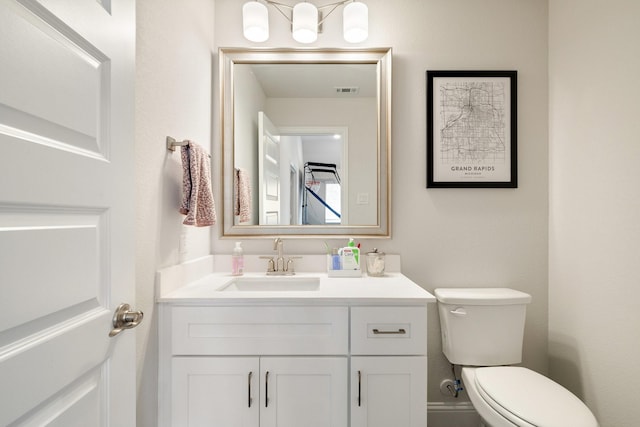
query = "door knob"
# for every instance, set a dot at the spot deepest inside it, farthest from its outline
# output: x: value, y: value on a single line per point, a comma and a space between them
x: 125, y: 318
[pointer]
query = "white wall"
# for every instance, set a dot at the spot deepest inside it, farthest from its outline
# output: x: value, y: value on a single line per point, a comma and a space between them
x: 446, y: 237
x: 449, y: 237
x: 249, y: 100
x: 594, y: 336
x: 173, y: 97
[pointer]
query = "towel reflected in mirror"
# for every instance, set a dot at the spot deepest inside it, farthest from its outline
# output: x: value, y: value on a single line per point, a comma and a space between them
x: 242, y: 195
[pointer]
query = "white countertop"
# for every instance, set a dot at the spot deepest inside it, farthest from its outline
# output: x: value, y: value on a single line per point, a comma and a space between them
x: 390, y: 289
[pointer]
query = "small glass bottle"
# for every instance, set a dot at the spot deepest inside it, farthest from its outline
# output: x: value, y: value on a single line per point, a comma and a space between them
x: 336, y: 261
x: 237, y: 260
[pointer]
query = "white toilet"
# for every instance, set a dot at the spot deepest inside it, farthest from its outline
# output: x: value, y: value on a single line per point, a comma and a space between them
x: 482, y: 330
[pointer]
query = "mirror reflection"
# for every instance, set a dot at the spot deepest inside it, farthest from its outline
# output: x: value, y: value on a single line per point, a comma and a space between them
x: 303, y: 120
x: 309, y: 149
x: 299, y: 175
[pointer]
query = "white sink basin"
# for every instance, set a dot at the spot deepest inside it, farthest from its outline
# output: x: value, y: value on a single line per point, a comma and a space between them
x: 272, y: 284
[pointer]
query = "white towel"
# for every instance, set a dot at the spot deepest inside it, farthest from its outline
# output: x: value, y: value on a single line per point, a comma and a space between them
x: 197, y: 199
x: 242, y: 195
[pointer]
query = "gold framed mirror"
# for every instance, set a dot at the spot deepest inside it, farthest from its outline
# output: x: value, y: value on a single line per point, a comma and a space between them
x: 306, y: 142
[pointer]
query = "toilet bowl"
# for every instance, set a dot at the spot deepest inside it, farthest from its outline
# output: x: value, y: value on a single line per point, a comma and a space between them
x: 482, y: 330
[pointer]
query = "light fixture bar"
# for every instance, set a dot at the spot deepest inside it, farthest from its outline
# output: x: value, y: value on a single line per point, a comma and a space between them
x: 335, y: 6
x: 355, y: 19
x: 278, y: 5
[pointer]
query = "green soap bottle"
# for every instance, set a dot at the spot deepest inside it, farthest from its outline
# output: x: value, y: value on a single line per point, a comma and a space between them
x: 356, y: 251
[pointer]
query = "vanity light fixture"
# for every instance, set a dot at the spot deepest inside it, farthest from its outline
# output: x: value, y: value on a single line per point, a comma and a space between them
x: 255, y: 21
x: 304, y: 25
x: 305, y: 20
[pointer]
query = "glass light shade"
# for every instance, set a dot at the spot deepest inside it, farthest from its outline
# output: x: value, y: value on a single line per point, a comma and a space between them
x: 305, y: 23
x: 355, y: 21
x: 255, y: 21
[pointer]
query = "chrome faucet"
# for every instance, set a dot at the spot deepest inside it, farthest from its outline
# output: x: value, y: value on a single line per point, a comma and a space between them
x: 278, y: 266
x: 278, y: 245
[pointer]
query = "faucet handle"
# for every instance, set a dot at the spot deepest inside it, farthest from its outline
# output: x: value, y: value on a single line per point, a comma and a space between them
x: 290, y: 268
x: 271, y: 265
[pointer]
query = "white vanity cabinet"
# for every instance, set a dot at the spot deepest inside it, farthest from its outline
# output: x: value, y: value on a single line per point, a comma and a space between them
x: 388, y: 366
x: 303, y: 391
x: 338, y: 364
x: 388, y: 391
x: 253, y: 392
x: 215, y: 391
x: 254, y: 366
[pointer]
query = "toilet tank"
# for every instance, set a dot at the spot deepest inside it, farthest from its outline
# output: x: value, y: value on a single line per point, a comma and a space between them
x: 482, y: 326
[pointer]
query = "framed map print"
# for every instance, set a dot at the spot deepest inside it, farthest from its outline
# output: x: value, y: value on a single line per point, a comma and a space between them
x: 472, y: 129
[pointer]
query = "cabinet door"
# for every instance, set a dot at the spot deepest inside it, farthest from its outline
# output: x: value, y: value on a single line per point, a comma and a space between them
x: 389, y: 391
x: 303, y: 391
x: 215, y: 391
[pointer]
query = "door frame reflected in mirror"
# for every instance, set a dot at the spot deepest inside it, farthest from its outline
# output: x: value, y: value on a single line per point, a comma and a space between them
x: 317, y: 133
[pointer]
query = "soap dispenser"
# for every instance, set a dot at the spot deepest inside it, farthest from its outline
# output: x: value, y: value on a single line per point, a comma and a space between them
x: 350, y: 256
x: 237, y: 260
x: 356, y: 250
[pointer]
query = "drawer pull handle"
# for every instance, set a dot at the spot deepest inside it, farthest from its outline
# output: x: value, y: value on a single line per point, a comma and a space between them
x: 359, y: 387
x: 400, y: 331
x: 249, y: 388
x: 266, y: 390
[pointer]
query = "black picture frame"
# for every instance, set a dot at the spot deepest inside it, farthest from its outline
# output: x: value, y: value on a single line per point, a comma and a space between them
x: 472, y: 129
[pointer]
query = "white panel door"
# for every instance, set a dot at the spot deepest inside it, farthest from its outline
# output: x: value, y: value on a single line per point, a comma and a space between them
x: 66, y: 211
x: 389, y: 391
x: 215, y: 391
x: 303, y: 391
x: 269, y: 171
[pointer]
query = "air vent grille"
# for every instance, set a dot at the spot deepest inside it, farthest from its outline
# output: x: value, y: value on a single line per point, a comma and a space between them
x: 347, y: 90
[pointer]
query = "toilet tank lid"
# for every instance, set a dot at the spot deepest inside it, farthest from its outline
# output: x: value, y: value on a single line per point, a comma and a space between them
x: 481, y: 296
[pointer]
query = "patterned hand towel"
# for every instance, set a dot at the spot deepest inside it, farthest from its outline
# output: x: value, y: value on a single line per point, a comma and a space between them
x: 197, y: 199
x: 242, y: 195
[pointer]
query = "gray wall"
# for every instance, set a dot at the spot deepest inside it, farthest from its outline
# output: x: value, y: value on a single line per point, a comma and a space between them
x: 594, y: 338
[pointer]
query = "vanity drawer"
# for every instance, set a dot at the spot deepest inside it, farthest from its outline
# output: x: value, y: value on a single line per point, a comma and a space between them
x: 388, y: 330
x: 260, y: 330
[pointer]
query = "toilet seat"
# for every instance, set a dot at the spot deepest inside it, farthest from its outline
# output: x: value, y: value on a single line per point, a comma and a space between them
x: 529, y: 399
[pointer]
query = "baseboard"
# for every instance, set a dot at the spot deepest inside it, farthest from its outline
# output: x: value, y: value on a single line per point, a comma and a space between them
x: 447, y: 414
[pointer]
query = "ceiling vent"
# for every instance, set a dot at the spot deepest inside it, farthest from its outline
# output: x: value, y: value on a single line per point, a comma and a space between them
x: 352, y: 90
